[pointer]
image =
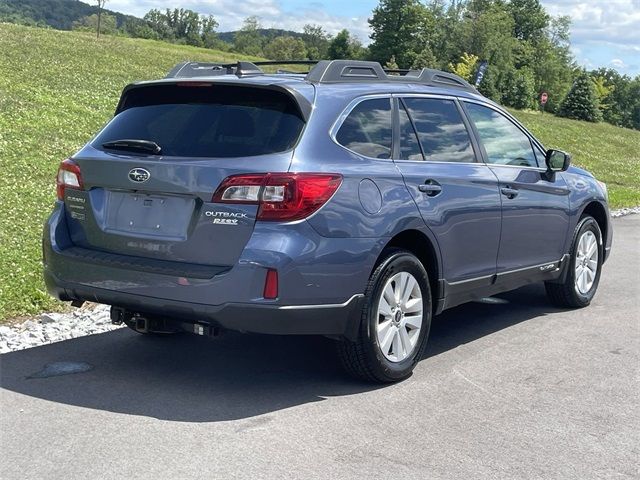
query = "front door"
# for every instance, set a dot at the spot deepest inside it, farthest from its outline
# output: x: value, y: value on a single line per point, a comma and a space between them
x: 535, y: 206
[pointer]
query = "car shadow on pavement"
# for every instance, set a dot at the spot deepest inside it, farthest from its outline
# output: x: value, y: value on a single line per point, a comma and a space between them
x: 194, y: 379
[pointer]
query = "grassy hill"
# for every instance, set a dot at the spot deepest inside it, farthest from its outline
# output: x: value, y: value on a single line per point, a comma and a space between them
x: 58, y: 14
x: 58, y: 88
x: 611, y: 153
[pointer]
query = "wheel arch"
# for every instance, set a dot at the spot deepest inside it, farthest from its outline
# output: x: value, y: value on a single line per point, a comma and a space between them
x: 426, y: 251
x: 599, y: 213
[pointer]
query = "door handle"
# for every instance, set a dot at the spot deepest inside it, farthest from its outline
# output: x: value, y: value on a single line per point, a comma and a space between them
x: 430, y: 187
x: 509, y: 192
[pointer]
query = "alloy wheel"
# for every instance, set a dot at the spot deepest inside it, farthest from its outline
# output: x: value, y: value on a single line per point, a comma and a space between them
x: 399, y: 318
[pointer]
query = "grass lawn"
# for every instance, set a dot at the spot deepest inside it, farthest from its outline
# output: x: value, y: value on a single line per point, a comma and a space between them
x: 611, y: 153
x: 58, y: 88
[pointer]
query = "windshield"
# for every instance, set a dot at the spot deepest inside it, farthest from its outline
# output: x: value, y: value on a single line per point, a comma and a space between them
x: 206, y: 121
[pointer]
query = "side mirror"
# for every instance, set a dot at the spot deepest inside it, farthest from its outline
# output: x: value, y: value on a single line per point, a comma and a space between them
x: 557, y: 160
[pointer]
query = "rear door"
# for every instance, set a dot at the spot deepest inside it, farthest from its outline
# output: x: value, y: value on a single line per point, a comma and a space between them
x: 457, y: 195
x: 159, y: 206
x: 535, y: 206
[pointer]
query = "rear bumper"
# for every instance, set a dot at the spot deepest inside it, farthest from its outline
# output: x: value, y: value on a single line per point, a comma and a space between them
x: 320, y: 281
x: 330, y: 319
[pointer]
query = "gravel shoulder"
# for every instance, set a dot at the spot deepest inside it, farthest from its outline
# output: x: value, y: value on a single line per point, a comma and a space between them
x: 55, y: 327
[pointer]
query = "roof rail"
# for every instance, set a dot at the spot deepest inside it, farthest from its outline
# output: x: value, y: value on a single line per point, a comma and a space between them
x: 327, y: 71
x: 343, y: 71
x: 240, y: 69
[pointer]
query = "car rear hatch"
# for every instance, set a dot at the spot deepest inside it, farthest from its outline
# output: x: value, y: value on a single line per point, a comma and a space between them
x: 148, y: 178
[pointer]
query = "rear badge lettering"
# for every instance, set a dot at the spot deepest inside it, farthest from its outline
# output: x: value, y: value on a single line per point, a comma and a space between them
x: 226, y: 218
x: 545, y: 268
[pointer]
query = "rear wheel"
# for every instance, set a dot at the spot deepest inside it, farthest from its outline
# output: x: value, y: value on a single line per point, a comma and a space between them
x: 585, y: 264
x: 395, y: 321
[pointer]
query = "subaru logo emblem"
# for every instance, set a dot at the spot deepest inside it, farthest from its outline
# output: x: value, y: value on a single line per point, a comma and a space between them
x: 139, y: 175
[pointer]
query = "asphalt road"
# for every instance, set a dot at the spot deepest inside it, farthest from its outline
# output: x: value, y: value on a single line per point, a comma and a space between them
x: 515, y: 389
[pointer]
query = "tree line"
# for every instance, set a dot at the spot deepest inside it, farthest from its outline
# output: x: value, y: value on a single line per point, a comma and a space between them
x: 526, y: 49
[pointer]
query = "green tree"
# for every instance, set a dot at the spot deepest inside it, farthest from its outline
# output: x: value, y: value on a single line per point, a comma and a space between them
x: 466, y: 67
x: 400, y: 29
x: 530, y: 19
x: 425, y: 59
x: 157, y: 21
x: 208, y: 33
x: 316, y: 41
x: 552, y: 63
x: 603, y: 91
x: 581, y: 102
x: 446, y: 35
x: 341, y: 46
x: 248, y: 40
x: 285, y: 48
x: 623, y: 100
x: 519, y: 89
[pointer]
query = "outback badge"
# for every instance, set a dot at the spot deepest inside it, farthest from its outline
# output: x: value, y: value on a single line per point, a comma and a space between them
x: 139, y: 175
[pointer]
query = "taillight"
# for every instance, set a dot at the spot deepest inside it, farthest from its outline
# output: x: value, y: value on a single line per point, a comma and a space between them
x: 280, y: 196
x: 68, y: 176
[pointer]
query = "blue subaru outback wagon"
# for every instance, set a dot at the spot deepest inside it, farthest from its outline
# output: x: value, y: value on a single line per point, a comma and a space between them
x: 345, y: 202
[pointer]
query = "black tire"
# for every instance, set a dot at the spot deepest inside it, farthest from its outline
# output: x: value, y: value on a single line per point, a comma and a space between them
x: 566, y: 294
x: 364, y: 358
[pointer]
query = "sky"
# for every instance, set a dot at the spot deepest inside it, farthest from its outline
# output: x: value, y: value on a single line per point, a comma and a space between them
x: 604, y: 33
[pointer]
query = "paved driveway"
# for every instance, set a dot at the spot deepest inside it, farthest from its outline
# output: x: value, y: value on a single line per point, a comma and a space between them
x: 511, y: 389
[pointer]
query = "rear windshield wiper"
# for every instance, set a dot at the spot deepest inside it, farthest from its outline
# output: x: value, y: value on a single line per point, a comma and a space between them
x: 133, y: 145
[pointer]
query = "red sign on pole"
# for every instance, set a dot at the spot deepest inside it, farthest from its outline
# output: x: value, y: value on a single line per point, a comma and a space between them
x: 543, y: 98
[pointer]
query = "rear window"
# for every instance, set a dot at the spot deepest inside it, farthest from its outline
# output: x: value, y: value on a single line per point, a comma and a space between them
x: 207, y: 121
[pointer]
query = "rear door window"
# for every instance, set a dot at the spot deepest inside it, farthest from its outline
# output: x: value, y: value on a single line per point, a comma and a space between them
x: 207, y: 121
x: 367, y: 129
x: 441, y: 130
x: 409, y: 145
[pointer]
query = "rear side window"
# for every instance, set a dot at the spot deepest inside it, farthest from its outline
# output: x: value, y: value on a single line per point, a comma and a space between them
x: 207, y: 121
x: 367, y: 129
x: 441, y: 130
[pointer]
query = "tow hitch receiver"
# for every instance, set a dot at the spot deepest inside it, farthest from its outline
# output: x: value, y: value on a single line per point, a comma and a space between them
x: 143, y: 323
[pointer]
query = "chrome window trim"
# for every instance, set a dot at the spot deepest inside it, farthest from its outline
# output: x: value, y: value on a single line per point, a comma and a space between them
x: 337, y: 124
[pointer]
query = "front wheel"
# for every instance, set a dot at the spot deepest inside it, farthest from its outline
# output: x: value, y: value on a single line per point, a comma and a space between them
x: 395, y: 321
x: 585, y: 265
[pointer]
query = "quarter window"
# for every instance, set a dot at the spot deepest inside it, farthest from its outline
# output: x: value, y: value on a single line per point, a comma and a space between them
x: 441, y: 130
x: 367, y: 129
x: 503, y: 141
